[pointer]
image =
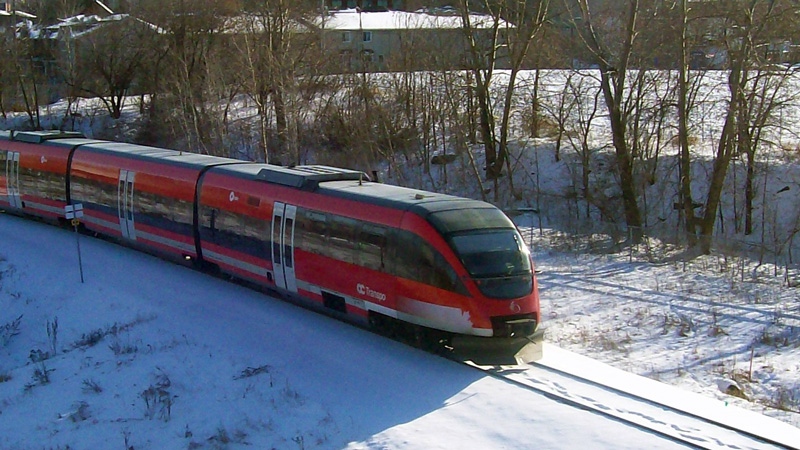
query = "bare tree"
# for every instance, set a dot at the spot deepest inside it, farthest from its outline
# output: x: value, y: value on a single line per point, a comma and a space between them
x: 25, y: 72
x: 106, y: 61
x: 276, y: 61
x: 618, y: 42
x: 512, y: 27
x: 193, y: 67
x: 685, y: 161
x: 584, y: 101
x: 49, y: 11
x: 749, y: 23
x: 614, y: 64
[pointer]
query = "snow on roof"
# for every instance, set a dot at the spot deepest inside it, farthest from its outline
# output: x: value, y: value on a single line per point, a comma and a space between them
x: 353, y: 19
x: 19, y: 14
x: 76, y: 26
x: 87, y: 20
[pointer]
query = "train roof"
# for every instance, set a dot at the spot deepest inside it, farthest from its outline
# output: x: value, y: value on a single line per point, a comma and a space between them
x: 69, y: 139
x: 418, y: 201
x: 174, y: 157
x: 306, y: 178
x: 131, y: 150
x: 353, y: 185
x: 38, y: 137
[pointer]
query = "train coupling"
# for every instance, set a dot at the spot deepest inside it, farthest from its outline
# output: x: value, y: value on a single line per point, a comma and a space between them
x: 498, y: 351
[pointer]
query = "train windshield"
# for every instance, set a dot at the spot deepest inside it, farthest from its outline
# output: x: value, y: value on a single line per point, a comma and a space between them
x: 498, y: 260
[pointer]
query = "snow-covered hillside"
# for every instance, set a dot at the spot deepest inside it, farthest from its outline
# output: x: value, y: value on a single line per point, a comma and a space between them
x: 150, y: 355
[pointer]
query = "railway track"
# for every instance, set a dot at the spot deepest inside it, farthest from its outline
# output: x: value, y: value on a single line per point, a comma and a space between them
x: 669, y: 417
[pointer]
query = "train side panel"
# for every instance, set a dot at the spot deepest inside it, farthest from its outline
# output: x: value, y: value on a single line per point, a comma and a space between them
x: 234, y: 226
x: 343, y: 261
x: 325, y: 251
x: 144, y: 201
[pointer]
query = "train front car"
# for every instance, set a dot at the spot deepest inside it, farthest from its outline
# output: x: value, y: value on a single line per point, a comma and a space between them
x: 496, y: 268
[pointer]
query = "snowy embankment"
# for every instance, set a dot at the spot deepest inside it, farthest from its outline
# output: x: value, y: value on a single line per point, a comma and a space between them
x: 150, y: 355
x: 704, y: 325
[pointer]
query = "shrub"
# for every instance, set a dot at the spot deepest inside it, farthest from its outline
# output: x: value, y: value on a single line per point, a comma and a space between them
x: 10, y: 330
x: 157, y: 399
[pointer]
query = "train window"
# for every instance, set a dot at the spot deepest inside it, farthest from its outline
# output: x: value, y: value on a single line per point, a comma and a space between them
x: 38, y: 182
x: 51, y: 185
x: 402, y: 252
x: 161, y: 211
x: 276, y: 237
x: 238, y: 232
x: 434, y: 269
x: 208, y: 226
x: 287, y: 243
x: 341, y: 240
x: 372, y: 247
x: 417, y: 260
x: 311, y: 230
x: 498, y: 259
x: 457, y: 220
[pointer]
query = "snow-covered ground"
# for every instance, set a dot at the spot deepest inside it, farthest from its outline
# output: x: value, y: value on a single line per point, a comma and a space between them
x: 146, y: 354
x: 702, y: 325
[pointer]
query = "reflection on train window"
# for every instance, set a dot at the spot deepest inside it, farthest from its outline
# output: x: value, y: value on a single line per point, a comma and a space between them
x: 311, y: 230
x: 287, y: 243
x: 341, y: 238
x: 375, y: 247
x: 238, y: 232
x: 40, y: 183
x: 372, y: 247
x: 276, y: 238
x: 417, y: 260
x: 94, y: 194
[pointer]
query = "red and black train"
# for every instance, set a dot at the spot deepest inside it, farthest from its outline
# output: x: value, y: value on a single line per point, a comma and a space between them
x: 444, y: 269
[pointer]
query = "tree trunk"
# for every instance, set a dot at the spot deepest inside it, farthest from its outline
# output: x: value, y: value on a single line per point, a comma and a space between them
x: 613, y: 99
x: 721, y: 163
x: 683, y: 137
x: 281, y: 122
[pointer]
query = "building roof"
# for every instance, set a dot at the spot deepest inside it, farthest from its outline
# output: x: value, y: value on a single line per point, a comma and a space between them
x: 354, y: 19
x: 79, y: 25
x: 18, y: 14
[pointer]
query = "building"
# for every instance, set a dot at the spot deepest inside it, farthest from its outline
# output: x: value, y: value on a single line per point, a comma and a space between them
x: 402, y: 41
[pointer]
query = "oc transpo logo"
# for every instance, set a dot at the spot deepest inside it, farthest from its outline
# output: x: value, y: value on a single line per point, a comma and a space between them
x: 365, y: 290
x: 515, y: 308
x: 233, y: 197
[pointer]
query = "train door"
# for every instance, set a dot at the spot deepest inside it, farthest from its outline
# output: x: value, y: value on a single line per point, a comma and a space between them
x: 125, y: 204
x: 283, y: 218
x: 12, y: 179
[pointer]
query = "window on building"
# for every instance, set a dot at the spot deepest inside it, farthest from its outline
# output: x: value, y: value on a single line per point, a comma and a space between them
x: 367, y: 36
x: 346, y: 37
x: 367, y: 56
x: 345, y: 57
